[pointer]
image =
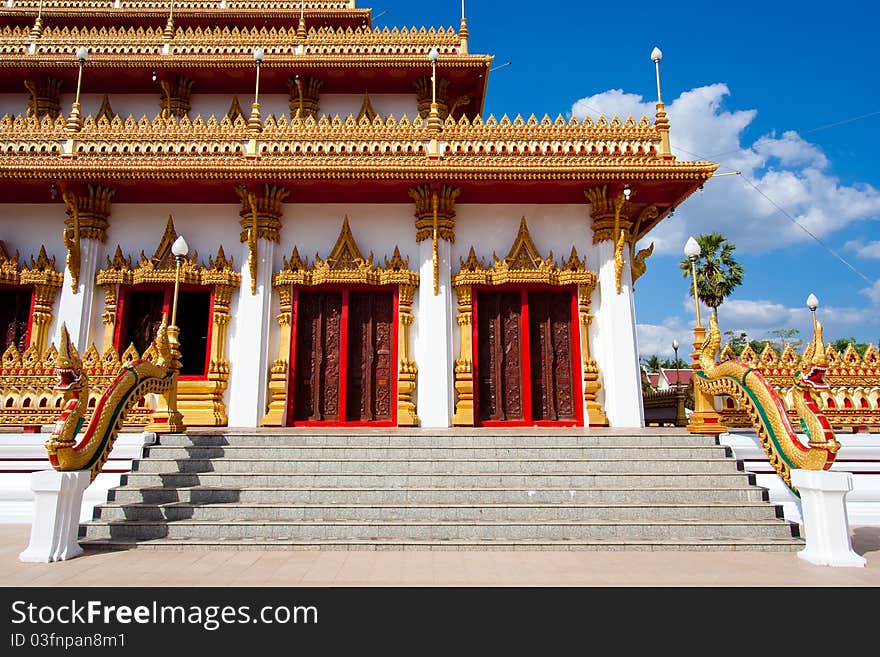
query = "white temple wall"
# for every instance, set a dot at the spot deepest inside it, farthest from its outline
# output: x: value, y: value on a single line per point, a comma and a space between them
x: 314, y: 228
x: 384, y: 105
x: 24, y: 227
x: 13, y: 104
x: 204, y: 105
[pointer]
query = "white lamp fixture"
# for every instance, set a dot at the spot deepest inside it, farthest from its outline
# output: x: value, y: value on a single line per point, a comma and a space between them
x: 812, y: 302
x: 656, y: 55
x: 180, y: 248
x: 627, y: 191
x: 258, y: 56
x: 692, y: 249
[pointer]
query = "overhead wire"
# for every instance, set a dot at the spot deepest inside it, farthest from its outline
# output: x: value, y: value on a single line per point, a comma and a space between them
x: 782, y: 210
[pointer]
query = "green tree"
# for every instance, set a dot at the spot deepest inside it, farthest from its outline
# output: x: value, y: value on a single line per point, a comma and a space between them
x: 718, y: 272
x: 736, y: 341
x: 652, y: 363
x: 787, y: 336
x: 841, y: 345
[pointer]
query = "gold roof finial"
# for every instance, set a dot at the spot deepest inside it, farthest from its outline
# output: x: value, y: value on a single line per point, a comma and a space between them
x: 463, y: 32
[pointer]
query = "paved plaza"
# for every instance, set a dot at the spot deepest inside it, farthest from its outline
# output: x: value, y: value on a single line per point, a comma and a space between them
x: 197, y: 568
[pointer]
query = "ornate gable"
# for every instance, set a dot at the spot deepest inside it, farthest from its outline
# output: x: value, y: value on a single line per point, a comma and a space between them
x: 524, y: 264
x: 345, y: 265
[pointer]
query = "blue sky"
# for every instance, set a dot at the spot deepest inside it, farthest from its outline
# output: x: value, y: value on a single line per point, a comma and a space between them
x: 753, y: 86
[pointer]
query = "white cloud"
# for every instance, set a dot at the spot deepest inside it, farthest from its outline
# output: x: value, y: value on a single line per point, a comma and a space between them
x: 864, y: 249
x: 786, y: 168
x: 657, y: 338
x: 758, y: 318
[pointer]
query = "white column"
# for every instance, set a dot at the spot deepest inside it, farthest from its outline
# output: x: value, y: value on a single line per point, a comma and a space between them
x: 434, y: 339
x: 55, y: 528
x: 75, y: 310
x: 825, y: 522
x: 249, y: 357
x: 616, y: 349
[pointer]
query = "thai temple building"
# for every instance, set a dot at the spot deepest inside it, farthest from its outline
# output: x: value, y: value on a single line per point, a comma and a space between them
x: 364, y: 246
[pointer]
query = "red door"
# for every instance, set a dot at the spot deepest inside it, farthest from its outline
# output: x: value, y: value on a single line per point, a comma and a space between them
x: 526, y: 357
x: 344, y: 370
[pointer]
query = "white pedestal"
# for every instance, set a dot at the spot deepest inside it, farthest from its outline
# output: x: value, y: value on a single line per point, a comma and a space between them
x: 823, y: 505
x: 57, y: 501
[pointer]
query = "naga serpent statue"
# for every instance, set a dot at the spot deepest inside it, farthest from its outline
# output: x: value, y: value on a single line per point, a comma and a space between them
x: 133, y: 382
x: 766, y: 410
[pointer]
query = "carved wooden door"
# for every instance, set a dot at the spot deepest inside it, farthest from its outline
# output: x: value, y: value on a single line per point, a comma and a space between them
x: 525, y: 357
x: 15, y: 308
x: 499, y: 365
x: 550, y: 342
x: 370, y: 368
x: 317, y: 356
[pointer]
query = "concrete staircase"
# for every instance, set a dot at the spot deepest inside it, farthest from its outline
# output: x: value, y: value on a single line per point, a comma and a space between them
x: 652, y: 489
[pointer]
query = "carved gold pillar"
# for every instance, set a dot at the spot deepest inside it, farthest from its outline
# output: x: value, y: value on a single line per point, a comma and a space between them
x: 45, y: 98
x: 46, y: 281
x: 407, y: 369
x: 464, y: 366
x: 117, y: 272
x: 278, y: 374
x: 305, y: 97
x: 175, y: 97
x: 87, y: 214
x: 435, y: 218
x: 424, y: 95
x: 595, y: 414
x: 108, y: 317
x: 261, y: 211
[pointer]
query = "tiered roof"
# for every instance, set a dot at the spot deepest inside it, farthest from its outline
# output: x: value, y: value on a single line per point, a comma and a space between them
x: 371, y: 159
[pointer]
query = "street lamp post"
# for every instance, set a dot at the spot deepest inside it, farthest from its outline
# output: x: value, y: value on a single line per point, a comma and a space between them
x: 704, y: 419
x: 255, y: 122
x: 169, y: 419
x: 74, y: 121
x: 692, y: 251
x: 434, y: 122
x: 675, y: 363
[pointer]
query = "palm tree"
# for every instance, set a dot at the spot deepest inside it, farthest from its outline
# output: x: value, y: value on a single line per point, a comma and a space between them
x: 718, y: 273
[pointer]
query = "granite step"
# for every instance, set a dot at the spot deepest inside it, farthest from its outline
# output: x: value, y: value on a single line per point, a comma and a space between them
x: 438, y: 489
x: 433, y: 438
x: 473, y: 466
x: 235, y: 512
x: 768, y: 544
x: 438, y: 479
x: 436, y: 495
x: 368, y: 452
x: 439, y: 530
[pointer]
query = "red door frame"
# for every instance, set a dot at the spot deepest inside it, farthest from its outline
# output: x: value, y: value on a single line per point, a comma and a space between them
x: 525, y: 356
x: 343, y: 356
x: 122, y: 310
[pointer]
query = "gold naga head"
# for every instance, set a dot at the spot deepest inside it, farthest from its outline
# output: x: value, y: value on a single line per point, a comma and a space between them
x: 163, y: 346
x: 815, y: 361
x: 68, y: 365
